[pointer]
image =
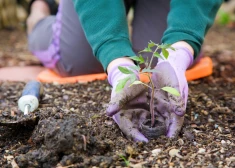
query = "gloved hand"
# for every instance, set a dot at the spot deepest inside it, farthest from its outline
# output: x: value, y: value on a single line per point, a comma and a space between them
x: 171, y: 72
x: 129, y: 107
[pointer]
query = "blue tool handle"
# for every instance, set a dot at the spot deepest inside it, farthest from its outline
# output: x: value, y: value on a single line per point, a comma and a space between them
x: 33, y: 88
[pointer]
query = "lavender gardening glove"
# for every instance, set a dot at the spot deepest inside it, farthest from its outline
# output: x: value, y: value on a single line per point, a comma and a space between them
x: 171, y: 72
x: 128, y: 107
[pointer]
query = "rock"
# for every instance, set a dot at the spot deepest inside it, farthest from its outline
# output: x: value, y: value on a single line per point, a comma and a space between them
x: 175, y: 152
x: 156, y: 152
x: 130, y: 150
x: 201, y: 151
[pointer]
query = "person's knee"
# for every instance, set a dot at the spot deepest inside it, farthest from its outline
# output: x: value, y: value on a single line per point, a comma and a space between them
x: 39, y: 10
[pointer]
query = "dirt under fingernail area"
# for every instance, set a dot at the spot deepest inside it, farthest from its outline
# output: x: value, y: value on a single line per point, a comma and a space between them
x: 71, y: 128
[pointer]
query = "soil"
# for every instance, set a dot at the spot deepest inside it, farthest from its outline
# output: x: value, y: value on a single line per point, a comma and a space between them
x: 72, y: 130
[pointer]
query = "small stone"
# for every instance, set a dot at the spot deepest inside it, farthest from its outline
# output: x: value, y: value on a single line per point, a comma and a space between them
x: 130, y: 150
x: 228, y: 142
x: 220, y: 129
x: 65, y: 97
x: 189, y: 135
x: 231, y: 159
x: 201, y: 151
x: 156, y: 152
x: 224, y: 144
x: 222, y: 150
x: 5, y: 114
x: 211, y: 120
x: 140, y: 156
x: 107, y: 88
x: 204, y: 112
x: 175, y: 152
x: 181, y: 141
x: 171, y: 164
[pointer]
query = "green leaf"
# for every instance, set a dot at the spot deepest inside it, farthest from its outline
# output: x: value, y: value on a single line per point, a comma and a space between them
x: 151, y: 44
x: 148, y: 70
x: 164, y: 46
x: 146, y: 50
x: 165, y: 53
x: 135, y: 58
x: 125, y: 70
x: 121, y: 84
x: 171, y: 90
x: 136, y: 83
x: 172, y: 48
x: 125, y: 160
x: 132, y: 78
x: 141, y: 59
x: 135, y: 67
x: 156, y: 54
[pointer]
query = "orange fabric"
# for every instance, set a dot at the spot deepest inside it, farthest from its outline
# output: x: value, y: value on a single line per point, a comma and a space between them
x: 202, y: 69
x: 49, y: 76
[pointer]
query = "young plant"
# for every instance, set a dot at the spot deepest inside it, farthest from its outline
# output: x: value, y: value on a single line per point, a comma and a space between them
x: 130, y: 71
x: 125, y: 160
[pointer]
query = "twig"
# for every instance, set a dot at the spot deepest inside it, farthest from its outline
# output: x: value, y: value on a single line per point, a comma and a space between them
x: 84, y: 140
x: 14, y: 164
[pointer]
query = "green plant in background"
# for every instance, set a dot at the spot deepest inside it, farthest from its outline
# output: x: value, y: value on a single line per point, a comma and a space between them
x: 125, y: 160
x: 131, y: 72
x: 224, y: 18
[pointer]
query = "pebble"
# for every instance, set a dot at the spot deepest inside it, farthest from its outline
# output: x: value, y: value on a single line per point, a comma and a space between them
x: 222, y: 150
x: 228, y: 142
x: 202, y: 151
x: 130, y: 150
x: 5, y: 114
x: 211, y: 120
x: 107, y: 88
x: 181, y: 141
x: 65, y: 97
x: 204, y: 112
x: 175, y: 152
x: 231, y: 159
x: 156, y: 152
x: 224, y: 144
x: 220, y: 129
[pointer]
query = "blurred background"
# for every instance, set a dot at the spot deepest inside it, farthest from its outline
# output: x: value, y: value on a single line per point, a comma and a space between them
x: 13, y: 38
x: 13, y: 13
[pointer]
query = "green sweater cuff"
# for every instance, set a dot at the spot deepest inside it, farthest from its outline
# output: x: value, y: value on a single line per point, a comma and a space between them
x: 113, y: 49
x: 174, y: 37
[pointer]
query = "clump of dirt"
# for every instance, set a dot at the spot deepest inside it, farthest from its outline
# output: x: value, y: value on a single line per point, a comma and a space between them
x: 63, y: 140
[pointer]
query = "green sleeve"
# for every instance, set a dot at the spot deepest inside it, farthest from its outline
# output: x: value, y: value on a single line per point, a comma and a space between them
x: 105, y: 25
x: 189, y: 20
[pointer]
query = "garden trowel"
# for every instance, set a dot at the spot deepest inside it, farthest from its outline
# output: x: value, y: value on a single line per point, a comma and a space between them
x: 28, y: 102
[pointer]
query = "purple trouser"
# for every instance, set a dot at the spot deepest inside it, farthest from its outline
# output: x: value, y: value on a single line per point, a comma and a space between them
x: 60, y: 44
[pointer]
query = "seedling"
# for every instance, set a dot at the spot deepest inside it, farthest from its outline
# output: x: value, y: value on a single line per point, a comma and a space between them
x: 125, y: 160
x: 131, y: 72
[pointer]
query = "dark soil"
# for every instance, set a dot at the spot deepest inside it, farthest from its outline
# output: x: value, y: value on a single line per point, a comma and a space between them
x: 73, y: 130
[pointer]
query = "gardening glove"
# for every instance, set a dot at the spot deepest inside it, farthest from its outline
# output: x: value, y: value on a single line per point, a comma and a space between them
x: 128, y: 107
x: 171, y: 72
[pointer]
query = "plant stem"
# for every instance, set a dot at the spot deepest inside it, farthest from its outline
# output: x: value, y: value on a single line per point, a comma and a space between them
x: 151, y: 60
x: 151, y: 102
